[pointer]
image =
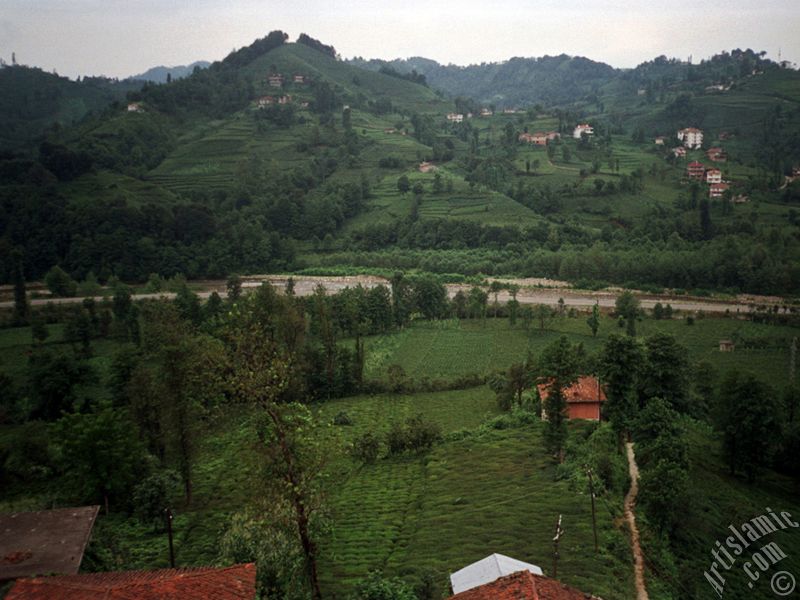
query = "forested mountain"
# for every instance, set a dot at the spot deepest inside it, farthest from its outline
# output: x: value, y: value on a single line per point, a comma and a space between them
x: 32, y: 101
x: 516, y: 82
x: 282, y: 156
x: 161, y: 74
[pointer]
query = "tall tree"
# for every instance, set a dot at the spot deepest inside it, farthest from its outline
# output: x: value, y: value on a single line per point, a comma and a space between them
x: 289, y: 443
x: 665, y: 373
x: 594, y: 319
x: 20, y: 293
x: 751, y: 423
x: 621, y: 362
x: 558, y: 366
x: 627, y: 307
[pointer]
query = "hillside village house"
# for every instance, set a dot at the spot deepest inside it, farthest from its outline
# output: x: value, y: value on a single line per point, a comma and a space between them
x: 691, y: 137
x: 679, y: 152
x: 713, y: 176
x: 581, y: 129
x: 553, y: 135
x: 659, y: 141
x: 717, y: 154
x: 726, y: 346
x: 583, y: 398
x: 265, y: 101
x: 275, y: 80
x: 538, y: 139
x: 717, y: 190
x: 455, y: 117
x: 135, y: 107
x: 299, y: 79
x: 487, y: 570
x: 695, y: 170
x: 485, y: 112
x: 285, y: 100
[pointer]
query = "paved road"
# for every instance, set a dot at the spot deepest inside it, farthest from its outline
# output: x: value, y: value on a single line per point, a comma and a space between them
x: 305, y: 286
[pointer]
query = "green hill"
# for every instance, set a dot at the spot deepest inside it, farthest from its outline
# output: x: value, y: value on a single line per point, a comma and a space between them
x: 33, y: 101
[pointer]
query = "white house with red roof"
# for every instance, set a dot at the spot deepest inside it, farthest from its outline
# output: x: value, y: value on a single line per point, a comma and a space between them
x: 713, y: 176
x: 691, y: 137
x: 581, y: 129
x: 717, y: 190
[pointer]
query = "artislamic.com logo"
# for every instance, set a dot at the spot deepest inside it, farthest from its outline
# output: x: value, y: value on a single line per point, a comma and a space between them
x: 758, y: 561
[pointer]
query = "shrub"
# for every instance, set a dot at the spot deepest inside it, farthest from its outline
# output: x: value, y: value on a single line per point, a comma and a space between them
x: 342, y: 418
x: 421, y: 434
x: 396, y: 439
x: 366, y: 448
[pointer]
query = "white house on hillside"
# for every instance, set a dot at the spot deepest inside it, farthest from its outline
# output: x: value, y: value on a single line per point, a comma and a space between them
x: 487, y: 570
x: 455, y: 117
x: 691, y: 137
x: 581, y: 129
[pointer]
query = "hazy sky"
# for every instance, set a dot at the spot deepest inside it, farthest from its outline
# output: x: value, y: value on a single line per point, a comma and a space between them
x: 120, y: 38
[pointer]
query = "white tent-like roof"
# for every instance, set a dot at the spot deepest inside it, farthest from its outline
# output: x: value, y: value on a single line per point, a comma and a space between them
x: 487, y: 570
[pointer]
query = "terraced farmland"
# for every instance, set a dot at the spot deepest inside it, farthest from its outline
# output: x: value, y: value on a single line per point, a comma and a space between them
x: 493, y: 492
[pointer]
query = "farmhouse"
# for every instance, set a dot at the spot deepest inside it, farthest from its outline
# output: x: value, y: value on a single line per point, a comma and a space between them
x: 538, y: 139
x: 717, y: 190
x: 275, y: 80
x: 717, y: 154
x: 426, y: 167
x: 284, y: 100
x: 509, y: 111
x: 523, y: 585
x: 229, y: 583
x: 265, y: 101
x: 713, y: 176
x: 455, y: 117
x: 299, y: 79
x: 581, y: 129
x: 485, y: 112
x: 659, y: 141
x: 135, y: 107
x: 679, y: 152
x: 691, y: 137
x: 583, y: 398
x: 552, y: 135
x: 726, y: 346
x: 695, y: 170
x: 487, y: 570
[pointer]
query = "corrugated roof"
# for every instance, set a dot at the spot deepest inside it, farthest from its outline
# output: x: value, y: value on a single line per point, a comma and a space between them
x: 488, y: 569
x: 230, y: 583
x: 586, y: 389
x: 523, y: 585
x: 45, y: 541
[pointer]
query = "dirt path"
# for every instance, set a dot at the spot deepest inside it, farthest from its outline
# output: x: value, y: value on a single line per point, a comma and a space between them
x: 630, y: 517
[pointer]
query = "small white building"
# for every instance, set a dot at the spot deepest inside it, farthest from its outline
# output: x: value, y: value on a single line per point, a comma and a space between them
x: 485, y: 112
x: 713, y: 176
x: 135, y: 107
x: 488, y: 570
x: 455, y: 117
x: 581, y: 129
x: 691, y: 137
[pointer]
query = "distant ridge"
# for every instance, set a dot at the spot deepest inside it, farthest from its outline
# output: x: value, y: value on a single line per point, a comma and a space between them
x: 159, y: 74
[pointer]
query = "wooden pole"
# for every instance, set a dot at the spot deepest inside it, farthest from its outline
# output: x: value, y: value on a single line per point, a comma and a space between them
x: 559, y: 532
x: 594, y: 516
x: 168, y: 513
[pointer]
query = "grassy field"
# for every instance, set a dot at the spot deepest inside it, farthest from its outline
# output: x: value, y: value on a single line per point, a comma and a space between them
x: 449, y: 349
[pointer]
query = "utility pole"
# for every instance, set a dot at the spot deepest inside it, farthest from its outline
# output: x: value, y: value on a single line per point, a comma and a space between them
x: 556, y: 537
x: 792, y: 360
x: 594, y: 518
x: 168, y: 514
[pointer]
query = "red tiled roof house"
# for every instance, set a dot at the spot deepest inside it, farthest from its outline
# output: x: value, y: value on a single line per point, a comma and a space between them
x: 695, y: 170
x: 232, y: 583
x: 583, y: 398
x: 523, y: 585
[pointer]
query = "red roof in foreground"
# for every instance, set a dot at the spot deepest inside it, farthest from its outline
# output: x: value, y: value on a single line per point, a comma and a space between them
x: 523, y: 585
x: 230, y: 583
x: 586, y: 389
